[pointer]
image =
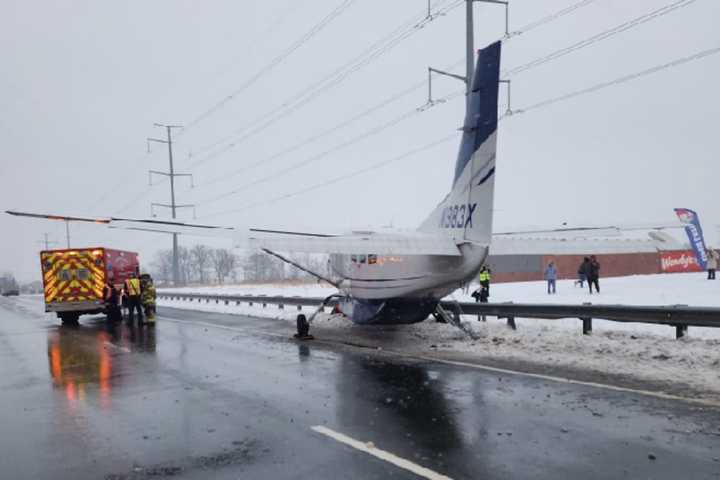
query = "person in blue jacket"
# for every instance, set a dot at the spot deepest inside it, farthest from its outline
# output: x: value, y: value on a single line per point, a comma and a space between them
x: 551, y: 277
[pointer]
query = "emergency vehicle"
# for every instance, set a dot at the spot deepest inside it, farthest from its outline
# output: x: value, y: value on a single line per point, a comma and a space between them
x: 74, y: 279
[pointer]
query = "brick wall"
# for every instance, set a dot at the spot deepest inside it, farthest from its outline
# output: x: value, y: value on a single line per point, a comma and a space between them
x: 611, y: 265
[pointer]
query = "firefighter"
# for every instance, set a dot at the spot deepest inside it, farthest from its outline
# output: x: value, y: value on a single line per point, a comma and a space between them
x: 148, y: 296
x: 112, y: 302
x: 132, y: 292
x: 484, y: 278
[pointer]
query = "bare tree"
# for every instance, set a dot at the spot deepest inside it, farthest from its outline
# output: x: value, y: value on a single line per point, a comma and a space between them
x: 201, y: 257
x: 224, y: 262
x: 184, y: 265
x: 260, y: 267
x: 162, y: 265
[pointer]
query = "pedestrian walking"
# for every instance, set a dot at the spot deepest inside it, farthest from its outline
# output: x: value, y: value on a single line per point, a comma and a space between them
x: 581, y: 274
x: 133, y: 291
x: 551, y: 278
x: 712, y: 263
x: 592, y: 272
x: 481, y: 295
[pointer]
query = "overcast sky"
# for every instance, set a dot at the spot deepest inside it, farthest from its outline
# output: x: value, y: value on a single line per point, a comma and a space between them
x: 83, y: 82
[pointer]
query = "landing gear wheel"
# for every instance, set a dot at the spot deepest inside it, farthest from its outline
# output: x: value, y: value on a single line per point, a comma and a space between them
x: 303, y: 328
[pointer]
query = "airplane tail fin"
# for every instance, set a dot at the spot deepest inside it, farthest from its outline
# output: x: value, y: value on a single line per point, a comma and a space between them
x: 466, y: 212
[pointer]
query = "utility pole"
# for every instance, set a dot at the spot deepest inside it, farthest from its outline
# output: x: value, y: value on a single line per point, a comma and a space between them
x: 172, y: 206
x: 469, y: 53
x: 46, y: 241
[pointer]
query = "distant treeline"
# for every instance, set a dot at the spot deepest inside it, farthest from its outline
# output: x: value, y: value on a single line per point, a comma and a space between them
x: 205, y: 265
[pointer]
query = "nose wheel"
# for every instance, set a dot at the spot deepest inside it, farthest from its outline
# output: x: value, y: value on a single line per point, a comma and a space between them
x: 303, y: 323
x: 303, y: 328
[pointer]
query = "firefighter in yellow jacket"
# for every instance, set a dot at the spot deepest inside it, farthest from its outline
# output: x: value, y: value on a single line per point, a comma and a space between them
x: 148, y: 297
x: 133, y: 291
x: 484, y: 278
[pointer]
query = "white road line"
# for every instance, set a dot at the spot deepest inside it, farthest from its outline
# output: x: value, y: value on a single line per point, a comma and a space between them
x: 648, y: 393
x: 478, y: 366
x: 370, y: 449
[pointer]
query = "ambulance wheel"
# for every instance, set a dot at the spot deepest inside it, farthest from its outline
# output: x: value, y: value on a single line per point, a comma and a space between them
x: 69, y: 318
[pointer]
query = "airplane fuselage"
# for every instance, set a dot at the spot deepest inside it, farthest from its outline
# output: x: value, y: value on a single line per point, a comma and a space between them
x: 401, y: 288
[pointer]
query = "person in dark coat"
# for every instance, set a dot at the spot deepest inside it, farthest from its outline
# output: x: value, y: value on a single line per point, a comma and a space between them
x: 481, y: 295
x: 112, y: 302
x: 581, y: 273
x: 592, y: 272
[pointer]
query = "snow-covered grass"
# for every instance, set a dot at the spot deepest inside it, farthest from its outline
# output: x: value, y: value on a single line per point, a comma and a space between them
x: 648, y: 352
x: 665, y: 289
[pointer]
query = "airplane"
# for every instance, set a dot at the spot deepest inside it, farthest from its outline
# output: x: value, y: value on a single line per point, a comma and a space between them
x: 392, y: 277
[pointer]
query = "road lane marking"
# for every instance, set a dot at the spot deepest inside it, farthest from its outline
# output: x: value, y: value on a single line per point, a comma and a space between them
x: 541, y: 376
x: 476, y: 366
x: 370, y: 449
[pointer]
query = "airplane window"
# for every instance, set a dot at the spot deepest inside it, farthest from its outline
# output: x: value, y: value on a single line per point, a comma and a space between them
x: 362, y: 258
x: 372, y: 259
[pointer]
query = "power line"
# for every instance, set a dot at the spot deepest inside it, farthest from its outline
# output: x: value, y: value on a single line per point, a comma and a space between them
x: 620, y: 80
x: 642, y: 19
x: 311, y: 92
x: 313, y: 138
x: 341, y: 178
x: 314, y: 30
x: 552, y: 17
x: 303, y: 163
x: 594, y: 88
x: 525, y: 28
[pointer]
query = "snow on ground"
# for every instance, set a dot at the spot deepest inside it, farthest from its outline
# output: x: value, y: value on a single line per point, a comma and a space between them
x: 648, y: 352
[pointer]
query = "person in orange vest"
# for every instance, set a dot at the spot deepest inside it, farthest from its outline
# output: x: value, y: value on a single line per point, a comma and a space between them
x: 132, y: 290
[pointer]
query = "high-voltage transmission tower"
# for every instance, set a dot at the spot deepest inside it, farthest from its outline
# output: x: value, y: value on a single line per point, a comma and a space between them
x: 172, y: 205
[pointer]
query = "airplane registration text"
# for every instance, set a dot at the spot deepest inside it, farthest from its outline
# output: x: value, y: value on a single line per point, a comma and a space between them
x: 457, y: 216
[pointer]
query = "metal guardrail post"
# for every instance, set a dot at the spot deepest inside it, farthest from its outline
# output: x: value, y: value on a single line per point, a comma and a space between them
x: 586, y: 323
x: 680, y: 331
x: 511, y: 323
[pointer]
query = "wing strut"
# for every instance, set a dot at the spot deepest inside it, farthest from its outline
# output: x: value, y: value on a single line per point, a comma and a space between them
x: 300, y: 267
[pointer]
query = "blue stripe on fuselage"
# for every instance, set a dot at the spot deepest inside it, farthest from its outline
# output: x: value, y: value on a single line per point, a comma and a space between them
x: 481, y: 117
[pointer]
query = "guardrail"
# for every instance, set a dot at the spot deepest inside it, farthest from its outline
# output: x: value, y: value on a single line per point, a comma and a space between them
x: 678, y: 316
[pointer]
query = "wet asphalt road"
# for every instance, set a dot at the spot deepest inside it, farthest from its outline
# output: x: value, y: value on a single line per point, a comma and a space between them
x: 192, y: 400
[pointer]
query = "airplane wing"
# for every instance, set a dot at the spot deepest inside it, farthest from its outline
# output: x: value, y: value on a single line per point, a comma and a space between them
x: 590, y: 231
x: 280, y: 240
x: 379, y: 244
x: 145, y: 225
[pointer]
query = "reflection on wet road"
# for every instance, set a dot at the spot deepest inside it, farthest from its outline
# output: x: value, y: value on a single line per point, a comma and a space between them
x: 190, y: 400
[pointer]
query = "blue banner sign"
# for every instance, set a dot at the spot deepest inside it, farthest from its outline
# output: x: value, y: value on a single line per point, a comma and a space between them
x: 694, y: 232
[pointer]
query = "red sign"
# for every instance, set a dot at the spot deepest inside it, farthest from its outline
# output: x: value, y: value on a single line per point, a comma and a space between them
x: 675, y: 262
